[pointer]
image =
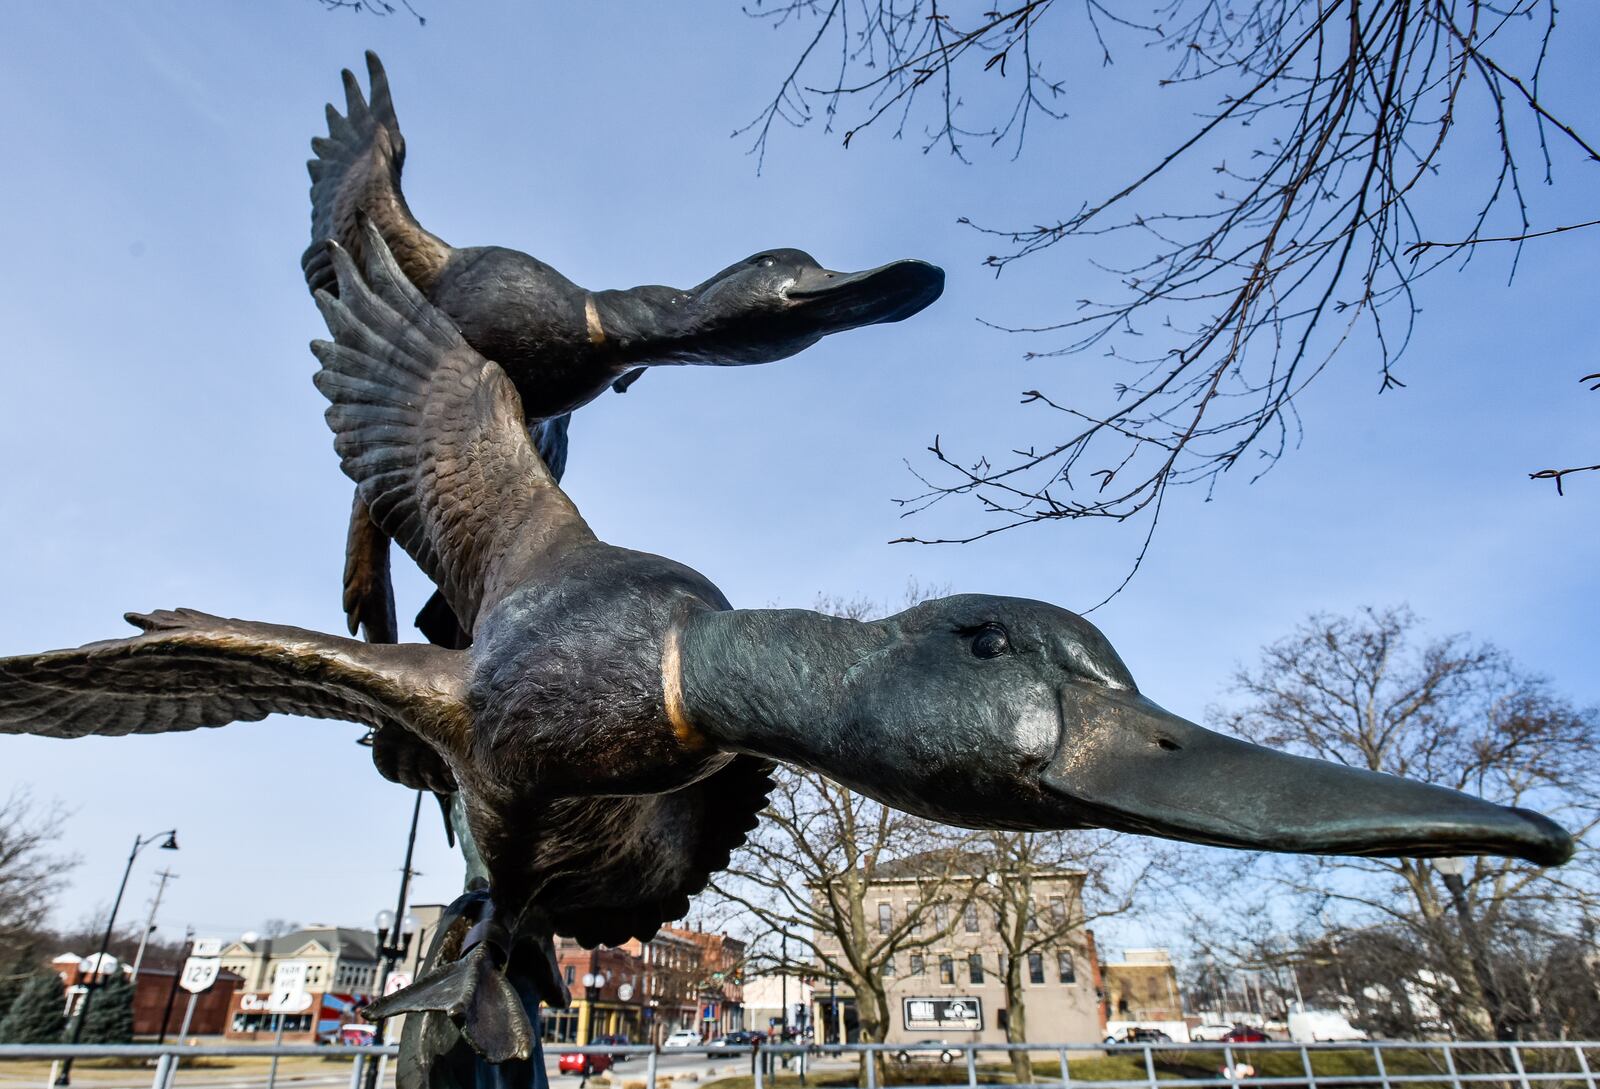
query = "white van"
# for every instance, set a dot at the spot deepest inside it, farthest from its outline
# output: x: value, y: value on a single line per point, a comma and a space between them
x: 1312, y: 1026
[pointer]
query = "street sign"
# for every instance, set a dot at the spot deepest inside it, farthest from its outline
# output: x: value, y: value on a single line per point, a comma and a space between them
x: 206, y: 947
x: 199, y: 973
x: 289, y: 1002
x: 624, y: 992
x: 289, y: 988
x: 397, y: 981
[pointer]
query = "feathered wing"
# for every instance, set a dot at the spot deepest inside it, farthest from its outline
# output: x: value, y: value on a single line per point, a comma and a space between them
x: 356, y: 174
x: 433, y: 435
x: 189, y: 669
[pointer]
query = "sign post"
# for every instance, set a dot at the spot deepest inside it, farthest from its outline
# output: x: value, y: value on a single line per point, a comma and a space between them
x: 289, y: 995
x: 200, y: 971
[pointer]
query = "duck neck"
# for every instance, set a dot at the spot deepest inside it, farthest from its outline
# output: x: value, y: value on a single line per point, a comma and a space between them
x: 648, y: 324
x: 769, y: 682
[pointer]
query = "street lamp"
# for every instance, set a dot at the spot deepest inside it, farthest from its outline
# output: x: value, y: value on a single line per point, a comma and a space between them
x: 139, y: 843
x: 384, y: 923
x: 593, y: 981
x: 1452, y: 872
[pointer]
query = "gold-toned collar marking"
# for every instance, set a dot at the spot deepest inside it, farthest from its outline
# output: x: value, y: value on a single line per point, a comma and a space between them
x: 591, y: 318
x: 672, y: 690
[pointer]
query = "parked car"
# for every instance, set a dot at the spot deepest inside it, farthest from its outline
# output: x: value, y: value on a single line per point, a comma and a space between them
x: 928, y: 1051
x: 1134, y: 1034
x: 1208, y: 1032
x: 614, y: 1041
x: 1311, y: 1026
x: 682, y: 1038
x: 573, y: 1062
x: 735, y: 1043
x: 352, y: 1035
x: 1244, y: 1034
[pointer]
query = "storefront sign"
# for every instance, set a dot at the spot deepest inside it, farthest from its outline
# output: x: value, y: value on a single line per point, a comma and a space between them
x: 963, y: 1014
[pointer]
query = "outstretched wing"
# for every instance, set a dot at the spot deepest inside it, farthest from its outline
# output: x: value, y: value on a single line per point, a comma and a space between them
x: 433, y: 435
x: 357, y: 173
x: 189, y: 670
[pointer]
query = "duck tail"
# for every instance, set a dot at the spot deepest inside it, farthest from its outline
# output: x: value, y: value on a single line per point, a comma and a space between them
x: 357, y: 173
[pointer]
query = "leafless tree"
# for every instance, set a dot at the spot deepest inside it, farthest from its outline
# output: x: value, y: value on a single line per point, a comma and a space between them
x: 374, y: 7
x: 813, y: 873
x: 30, y: 875
x: 1039, y: 917
x: 1364, y: 690
x: 1297, y: 215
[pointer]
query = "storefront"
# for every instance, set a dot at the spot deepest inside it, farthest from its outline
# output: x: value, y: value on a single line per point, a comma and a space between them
x: 326, y: 1012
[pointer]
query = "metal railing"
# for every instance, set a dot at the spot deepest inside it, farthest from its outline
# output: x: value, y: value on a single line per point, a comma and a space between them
x: 1525, y: 1064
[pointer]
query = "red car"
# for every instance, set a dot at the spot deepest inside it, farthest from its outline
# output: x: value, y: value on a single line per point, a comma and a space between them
x: 1244, y: 1034
x: 588, y: 1065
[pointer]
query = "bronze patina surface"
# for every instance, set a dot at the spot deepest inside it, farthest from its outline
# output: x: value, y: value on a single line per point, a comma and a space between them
x: 609, y: 732
x: 560, y: 344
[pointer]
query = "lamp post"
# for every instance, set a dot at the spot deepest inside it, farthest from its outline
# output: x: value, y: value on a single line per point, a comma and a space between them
x: 593, y: 981
x: 1451, y: 872
x: 139, y: 843
x: 402, y: 924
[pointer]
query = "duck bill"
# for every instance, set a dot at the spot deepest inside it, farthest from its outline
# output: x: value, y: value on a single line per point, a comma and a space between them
x: 1142, y: 769
x: 892, y: 292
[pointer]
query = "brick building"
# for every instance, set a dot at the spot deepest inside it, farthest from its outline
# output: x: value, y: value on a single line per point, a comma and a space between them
x: 1143, y: 990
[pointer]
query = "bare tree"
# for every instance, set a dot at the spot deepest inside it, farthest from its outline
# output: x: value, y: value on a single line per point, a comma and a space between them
x: 813, y: 871
x: 1364, y: 690
x: 1295, y: 216
x: 30, y: 875
x: 1045, y: 889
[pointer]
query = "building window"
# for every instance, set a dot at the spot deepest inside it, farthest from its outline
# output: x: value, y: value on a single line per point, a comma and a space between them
x: 941, y: 916
x: 970, y: 918
x: 572, y: 975
x: 885, y: 918
x: 914, y: 913
x: 1005, y: 963
x: 1035, y: 967
x: 888, y: 966
x: 1058, y: 910
x: 1032, y: 920
x: 1064, y: 965
x: 916, y: 964
x: 975, y: 968
x: 947, y: 969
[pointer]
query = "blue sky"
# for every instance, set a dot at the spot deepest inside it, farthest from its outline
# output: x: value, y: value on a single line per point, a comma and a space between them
x: 165, y: 445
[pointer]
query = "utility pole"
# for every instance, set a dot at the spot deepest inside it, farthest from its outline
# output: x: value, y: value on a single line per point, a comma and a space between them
x: 150, y: 923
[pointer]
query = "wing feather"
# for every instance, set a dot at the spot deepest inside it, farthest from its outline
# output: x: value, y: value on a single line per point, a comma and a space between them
x: 189, y: 670
x: 356, y: 174
x: 433, y: 435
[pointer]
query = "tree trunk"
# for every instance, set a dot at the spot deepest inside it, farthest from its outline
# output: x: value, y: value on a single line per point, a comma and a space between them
x: 872, y: 1020
x: 1017, y: 1022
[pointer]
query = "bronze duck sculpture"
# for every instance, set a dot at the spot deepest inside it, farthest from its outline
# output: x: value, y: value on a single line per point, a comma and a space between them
x: 611, y: 728
x: 560, y: 344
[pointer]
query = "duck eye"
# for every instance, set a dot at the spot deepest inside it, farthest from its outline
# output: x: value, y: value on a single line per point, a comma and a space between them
x: 990, y: 641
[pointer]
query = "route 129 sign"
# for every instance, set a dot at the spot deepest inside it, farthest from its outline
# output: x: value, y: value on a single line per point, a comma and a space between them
x: 199, y: 973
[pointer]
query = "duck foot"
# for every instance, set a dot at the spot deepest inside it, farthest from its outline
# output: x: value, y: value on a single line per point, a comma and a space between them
x: 467, y: 984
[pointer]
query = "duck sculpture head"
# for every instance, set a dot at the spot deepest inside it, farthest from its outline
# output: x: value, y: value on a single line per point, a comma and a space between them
x: 778, y: 302
x: 1003, y: 712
